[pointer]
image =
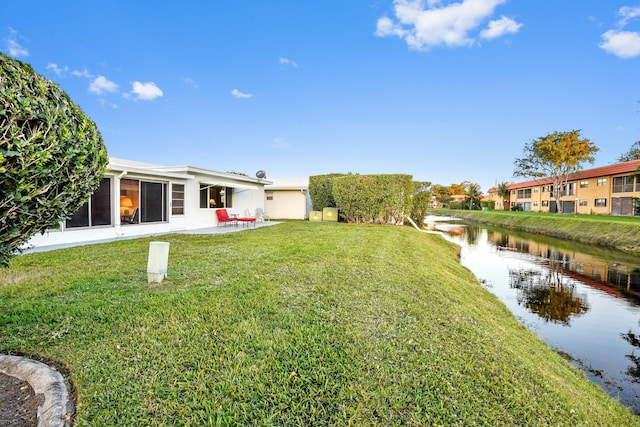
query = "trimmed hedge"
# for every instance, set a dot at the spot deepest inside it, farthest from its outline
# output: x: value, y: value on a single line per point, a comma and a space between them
x: 52, y: 156
x: 321, y: 191
x: 384, y: 199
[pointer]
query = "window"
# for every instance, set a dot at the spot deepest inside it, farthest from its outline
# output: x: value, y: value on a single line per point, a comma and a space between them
x: 583, y: 203
x: 524, y: 194
x: 177, y: 199
x: 623, y: 184
x: 269, y: 195
x: 97, y: 211
x: 536, y: 189
x: 600, y: 203
x: 545, y: 203
x: 601, y: 182
x: 535, y: 203
x: 546, y: 189
x: 215, y: 197
x: 143, y: 201
x: 584, y: 184
x: 153, y: 201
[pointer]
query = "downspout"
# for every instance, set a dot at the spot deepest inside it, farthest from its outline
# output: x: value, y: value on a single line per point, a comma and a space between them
x: 117, y: 228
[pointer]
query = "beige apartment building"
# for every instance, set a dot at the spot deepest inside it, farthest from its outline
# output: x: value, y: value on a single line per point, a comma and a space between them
x: 607, y: 190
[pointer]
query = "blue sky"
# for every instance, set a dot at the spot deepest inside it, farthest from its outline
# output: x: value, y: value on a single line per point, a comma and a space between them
x: 447, y: 91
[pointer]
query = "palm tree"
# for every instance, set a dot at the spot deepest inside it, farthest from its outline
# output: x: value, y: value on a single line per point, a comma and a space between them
x: 503, y: 192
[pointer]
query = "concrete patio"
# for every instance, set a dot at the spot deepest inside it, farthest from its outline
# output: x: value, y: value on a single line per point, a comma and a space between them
x: 230, y: 228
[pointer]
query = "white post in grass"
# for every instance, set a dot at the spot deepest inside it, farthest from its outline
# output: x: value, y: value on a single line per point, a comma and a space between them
x: 158, y: 261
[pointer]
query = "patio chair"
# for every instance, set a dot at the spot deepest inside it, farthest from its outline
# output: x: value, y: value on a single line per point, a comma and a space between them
x: 225, y: 218
x: 261, y: 215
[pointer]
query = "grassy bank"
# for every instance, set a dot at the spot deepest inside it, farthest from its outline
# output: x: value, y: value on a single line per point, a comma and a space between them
x: 614, y: 232
x: 296, y: 324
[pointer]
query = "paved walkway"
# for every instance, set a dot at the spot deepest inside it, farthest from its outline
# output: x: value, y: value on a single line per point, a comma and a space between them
x: 209, y: 230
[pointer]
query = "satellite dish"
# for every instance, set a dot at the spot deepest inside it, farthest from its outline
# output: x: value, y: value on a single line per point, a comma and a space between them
x: 261, y: 174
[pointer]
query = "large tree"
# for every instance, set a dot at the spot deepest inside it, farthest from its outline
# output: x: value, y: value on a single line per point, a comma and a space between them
x: 632, y: 154
x: 556, y: 156
x: 473, y: 195
x: 52, y: 156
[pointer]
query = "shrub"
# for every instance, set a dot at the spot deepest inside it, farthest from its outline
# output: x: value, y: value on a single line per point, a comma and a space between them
x: 373, y: 198
x: 321, y: 191
x: 52, y: 155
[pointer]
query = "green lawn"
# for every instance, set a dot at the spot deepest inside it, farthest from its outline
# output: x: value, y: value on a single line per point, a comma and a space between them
x: 621, y: 233
x: 301, y: 323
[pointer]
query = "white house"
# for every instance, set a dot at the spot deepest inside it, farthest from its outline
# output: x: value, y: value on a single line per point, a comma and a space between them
x: 137, y: 198
x: 287, y: 198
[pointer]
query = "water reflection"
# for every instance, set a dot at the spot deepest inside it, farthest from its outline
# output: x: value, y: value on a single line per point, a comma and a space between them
x: 547, y: 295
x: 582, y: 300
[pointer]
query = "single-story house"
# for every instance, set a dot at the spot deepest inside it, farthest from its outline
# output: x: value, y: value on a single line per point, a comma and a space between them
x: 136, y: 199
x: 287, y: 198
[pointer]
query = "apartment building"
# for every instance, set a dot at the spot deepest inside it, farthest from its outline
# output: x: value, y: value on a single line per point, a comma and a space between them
x: 606, y: 190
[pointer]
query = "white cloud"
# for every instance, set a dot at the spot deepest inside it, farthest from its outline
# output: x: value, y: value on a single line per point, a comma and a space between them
x: 56, y: 69
x: 624, y: 44
x: 101, y: 85
x: 628, y: 13
x: 286, y: 61
x: 425, y: 26
x: 14, y: 48
x: 146, y: 91
x: 191, y: 82
x: 239, y: 94
x: 83, y: 73
x: 500, y: 27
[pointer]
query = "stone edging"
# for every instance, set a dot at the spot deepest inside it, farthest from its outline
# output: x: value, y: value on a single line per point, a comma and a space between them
x: 46, y: 381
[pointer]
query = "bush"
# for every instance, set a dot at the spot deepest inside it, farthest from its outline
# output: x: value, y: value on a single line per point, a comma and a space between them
x: 52, y: 155
x: 384, y: 199
x: 321, y: 191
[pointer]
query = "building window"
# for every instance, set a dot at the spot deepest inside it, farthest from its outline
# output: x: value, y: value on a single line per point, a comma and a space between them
x: 583, y: 203
x: 215, y: 197
x: 177, y: 199
x: 269, y: 195
x: 97, y: 211
x: 623, y: 184
x: 545, y: 203
x: 601, y: 203
x: 524, y: 194
x: 536, y: 189
x: 601, y: 182
x: 535, y: 203
x: 153, y: 201
x: 584, y: 184
x: 143, y: 201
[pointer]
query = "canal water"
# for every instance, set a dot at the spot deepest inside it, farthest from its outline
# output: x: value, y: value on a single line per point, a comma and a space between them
x: 584, y: 302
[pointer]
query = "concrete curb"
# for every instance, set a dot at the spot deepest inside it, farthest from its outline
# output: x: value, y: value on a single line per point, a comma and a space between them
x: 56, y: 407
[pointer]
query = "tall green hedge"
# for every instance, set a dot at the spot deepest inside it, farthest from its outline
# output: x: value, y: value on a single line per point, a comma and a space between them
x: 52, y: 156
x: 384, y: 199
x: 321, y: 191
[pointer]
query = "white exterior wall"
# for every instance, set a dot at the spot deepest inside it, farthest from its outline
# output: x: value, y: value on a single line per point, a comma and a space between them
x: 248, y: 195
x: 287, y: 204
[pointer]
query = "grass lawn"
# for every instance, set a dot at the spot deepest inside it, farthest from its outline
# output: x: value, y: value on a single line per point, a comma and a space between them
x: 301, y: 323
x: 621, y: 233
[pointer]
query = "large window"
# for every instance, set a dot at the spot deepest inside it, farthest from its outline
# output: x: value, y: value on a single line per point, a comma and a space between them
x: 524, y: 194
x: 97, y: 211
x: 215, y: 197
x: 143, y: 201
x: 177, y: 199
x: 623, y: 184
